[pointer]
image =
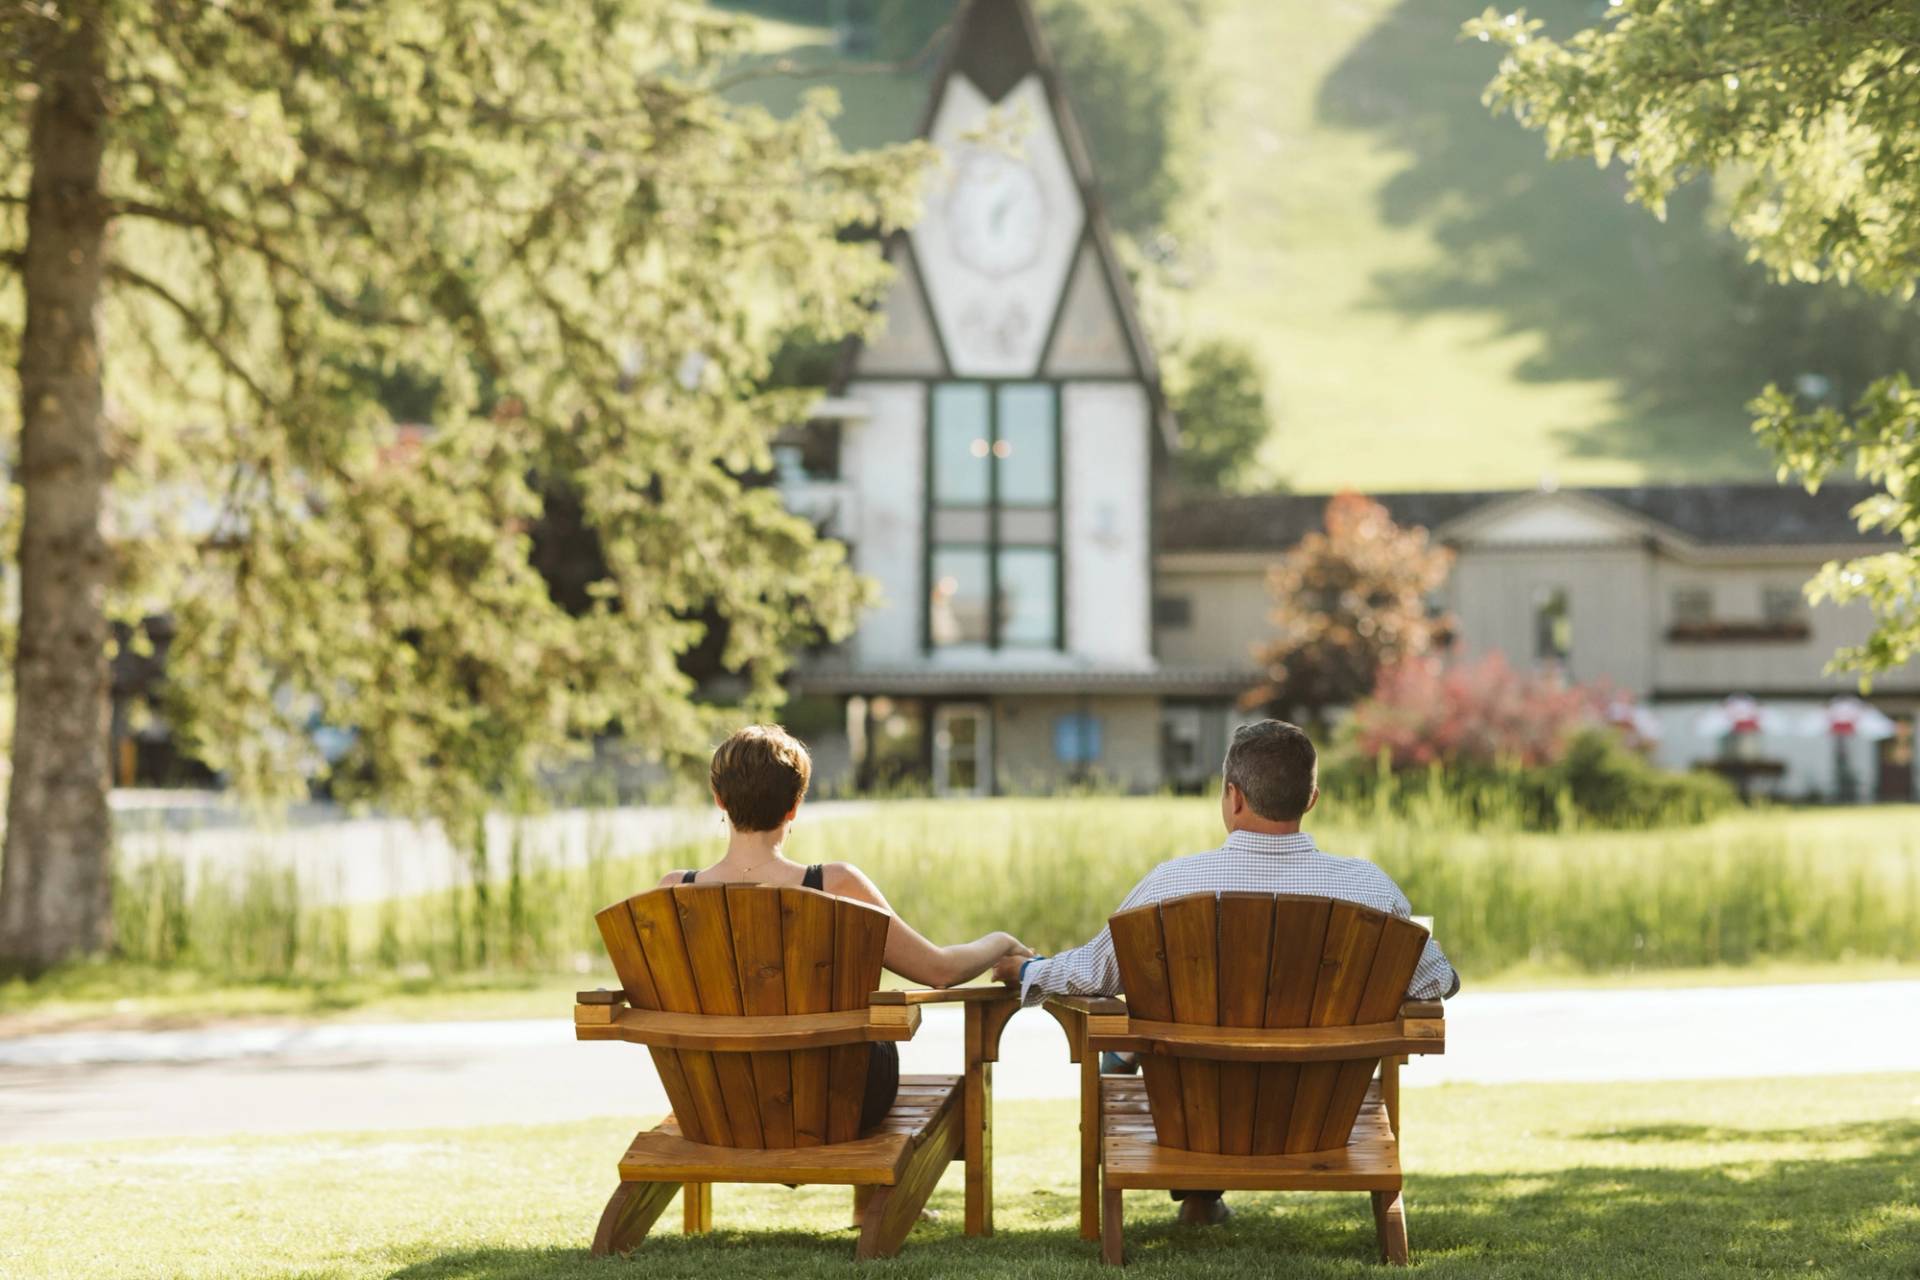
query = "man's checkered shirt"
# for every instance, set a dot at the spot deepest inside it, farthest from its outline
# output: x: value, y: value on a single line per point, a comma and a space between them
x: 1249, y: 862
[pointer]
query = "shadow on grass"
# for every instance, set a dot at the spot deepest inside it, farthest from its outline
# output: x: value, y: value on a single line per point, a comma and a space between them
x: 1846, y: 1217
x: 1669, y: 312
x: 1891, y: 1135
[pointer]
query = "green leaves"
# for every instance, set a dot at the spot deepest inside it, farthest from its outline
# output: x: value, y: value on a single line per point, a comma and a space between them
x: 540, y: 219
x: 1812, y: 114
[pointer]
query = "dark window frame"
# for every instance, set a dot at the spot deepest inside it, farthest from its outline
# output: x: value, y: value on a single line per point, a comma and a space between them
x: 993, y: 545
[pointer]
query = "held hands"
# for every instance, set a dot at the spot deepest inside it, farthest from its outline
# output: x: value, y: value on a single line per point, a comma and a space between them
x: 1012, y: 952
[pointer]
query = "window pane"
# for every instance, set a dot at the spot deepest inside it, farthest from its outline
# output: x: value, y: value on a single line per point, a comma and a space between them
x: 1692, y: 606
x: 1028, y: 604
x: 957, y: 601
x: 1024, y: 448
x: 1552, y: 624
x: 961, y: 449
x: 1781, y: 604
x: 1076, y: 739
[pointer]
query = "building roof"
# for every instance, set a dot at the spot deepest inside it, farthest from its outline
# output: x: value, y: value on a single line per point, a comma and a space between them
x: 1707, y: 514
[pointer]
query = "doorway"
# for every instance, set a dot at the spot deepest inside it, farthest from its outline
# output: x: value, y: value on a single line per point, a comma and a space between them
x: 962, y: 749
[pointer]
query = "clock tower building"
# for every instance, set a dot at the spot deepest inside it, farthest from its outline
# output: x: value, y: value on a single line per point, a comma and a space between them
x: 998, y: 446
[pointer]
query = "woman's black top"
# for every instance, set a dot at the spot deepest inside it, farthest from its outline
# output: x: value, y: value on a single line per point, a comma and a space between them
x: 816, y: 878
x: 883, y: 1064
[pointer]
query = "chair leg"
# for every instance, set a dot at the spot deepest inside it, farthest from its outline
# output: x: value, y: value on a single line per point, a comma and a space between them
x: 1091, y: 1119
x: 1390, y: 1222
x: 697, y: 1205
x: 891, y: 1211
x: 1113, y: 1248
x: 630, y: 1214
x: 861, y: 1195
x: 978, y: 1104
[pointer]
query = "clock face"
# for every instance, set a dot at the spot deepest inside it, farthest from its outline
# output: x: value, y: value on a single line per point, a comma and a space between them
x: 998, y: 214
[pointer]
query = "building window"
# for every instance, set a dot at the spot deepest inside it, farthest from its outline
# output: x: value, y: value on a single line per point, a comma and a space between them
x: 1552, y: 625
x: 1076, y: 739
x: 1692, y: 606
x: 993, y: 517
x: 1173, y: 612
x: 1782, y: 606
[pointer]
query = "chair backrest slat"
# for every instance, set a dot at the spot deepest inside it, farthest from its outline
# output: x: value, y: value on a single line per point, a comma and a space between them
x: 708, y: 933
x: 1293, y: 970
x: 657, y: 920
x: 1140, y: 948
x: 618, y: 930
x: 1246, y: 938
x: 1279, y: 961
x: 726, y: 951
x: 753, y: 917
x: 806, y: 948
x: 859, y: 940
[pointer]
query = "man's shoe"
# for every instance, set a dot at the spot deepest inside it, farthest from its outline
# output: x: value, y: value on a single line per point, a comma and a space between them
x: 1115, y: 1064
x: 1210, y: 1212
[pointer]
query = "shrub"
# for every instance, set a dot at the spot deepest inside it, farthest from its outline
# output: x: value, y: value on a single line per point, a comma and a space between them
x: 1484, y: 744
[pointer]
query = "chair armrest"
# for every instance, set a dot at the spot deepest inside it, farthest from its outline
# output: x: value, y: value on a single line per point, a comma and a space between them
x: 989, y: 1006
x: 1080, y: 1016
x: 731, y: 1033
x: 598, y: 1007
x: 1424, y: 1020
x: 1263, y: 1044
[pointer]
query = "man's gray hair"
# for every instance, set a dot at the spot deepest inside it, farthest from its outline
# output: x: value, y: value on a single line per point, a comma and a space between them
x: 1274, y: 766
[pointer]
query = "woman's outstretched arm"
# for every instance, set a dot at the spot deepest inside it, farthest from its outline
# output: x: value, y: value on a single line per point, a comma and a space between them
x: 909, y: 954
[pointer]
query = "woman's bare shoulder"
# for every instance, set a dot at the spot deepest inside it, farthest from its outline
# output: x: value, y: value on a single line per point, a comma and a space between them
x: 849, y: 881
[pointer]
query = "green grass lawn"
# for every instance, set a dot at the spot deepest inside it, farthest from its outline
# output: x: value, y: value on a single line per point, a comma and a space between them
x: 1434, y: 304
x: 1749, y: 1179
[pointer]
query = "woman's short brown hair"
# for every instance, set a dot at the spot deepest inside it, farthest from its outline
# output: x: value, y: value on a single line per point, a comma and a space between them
x: 759, y: 775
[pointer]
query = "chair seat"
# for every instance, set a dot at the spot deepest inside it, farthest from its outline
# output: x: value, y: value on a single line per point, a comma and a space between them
x: 661, y: 1154
x: 1133, y: 1159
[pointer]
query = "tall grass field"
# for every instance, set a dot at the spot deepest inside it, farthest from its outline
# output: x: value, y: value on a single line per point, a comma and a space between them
x: 1792, y: 886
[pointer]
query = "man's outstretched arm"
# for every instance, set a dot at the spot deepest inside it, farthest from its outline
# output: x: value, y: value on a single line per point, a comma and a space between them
x: 1089, y: 970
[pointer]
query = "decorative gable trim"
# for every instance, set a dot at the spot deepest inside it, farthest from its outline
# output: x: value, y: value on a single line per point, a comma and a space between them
x: 1481, y: 526
x: 910, y: 345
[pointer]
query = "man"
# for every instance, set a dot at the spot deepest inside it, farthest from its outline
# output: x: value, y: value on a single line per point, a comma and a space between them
x: 1270, y: 784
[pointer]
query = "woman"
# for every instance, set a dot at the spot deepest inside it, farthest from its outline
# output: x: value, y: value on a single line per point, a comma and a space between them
x: 759, y: 777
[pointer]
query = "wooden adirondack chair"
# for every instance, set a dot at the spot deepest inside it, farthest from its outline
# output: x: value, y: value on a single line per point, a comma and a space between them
x: 760, y: 1007
x: 1260, y: 1020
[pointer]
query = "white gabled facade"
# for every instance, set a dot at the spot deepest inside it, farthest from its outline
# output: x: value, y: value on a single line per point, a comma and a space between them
x: 999, y: 459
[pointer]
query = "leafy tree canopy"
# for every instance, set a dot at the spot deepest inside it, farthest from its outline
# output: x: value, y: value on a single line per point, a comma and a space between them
x: 1219, y: 396
x: 546, y: 211
x: 1811, y: 111
x: 1347, y: 602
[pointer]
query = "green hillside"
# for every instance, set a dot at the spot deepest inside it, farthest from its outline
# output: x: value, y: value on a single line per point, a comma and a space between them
x: 1437, y: 306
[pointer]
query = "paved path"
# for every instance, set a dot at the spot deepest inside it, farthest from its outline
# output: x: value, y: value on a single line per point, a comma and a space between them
x: 91, y: 1085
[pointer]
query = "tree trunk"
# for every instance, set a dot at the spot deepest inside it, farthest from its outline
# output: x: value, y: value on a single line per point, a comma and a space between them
x: 55, y: 885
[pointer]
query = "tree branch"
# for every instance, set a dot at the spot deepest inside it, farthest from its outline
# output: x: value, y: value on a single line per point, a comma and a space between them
x: 236, y: 236
x: 127, y: 275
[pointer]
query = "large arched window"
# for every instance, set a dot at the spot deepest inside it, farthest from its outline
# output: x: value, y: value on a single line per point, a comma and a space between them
x: 993, y: 516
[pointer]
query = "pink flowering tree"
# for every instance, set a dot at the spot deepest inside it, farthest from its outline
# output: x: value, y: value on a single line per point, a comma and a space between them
x: 1423, y: 711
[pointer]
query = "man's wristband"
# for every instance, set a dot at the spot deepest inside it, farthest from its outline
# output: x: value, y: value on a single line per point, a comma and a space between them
x: 1023, y: 968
